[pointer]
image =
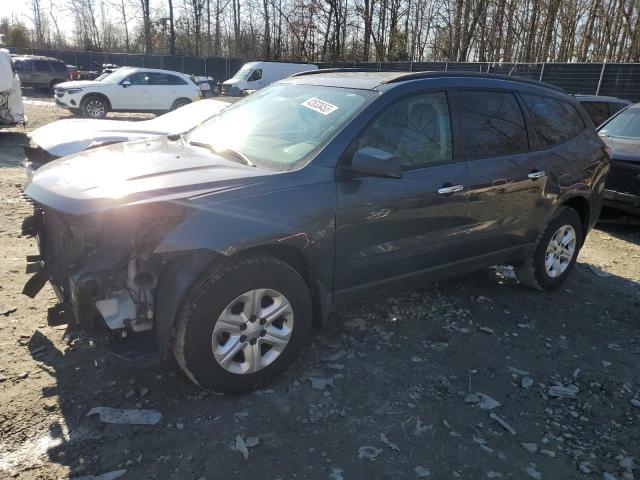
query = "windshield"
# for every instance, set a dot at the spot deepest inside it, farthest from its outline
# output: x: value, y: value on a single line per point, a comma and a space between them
x: 243, y: 73
x: 279, y: 126
x: 625, y: 125
x: 114, y: 76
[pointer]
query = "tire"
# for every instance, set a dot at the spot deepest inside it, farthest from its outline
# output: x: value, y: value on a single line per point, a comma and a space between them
x: 181, y: 102
x: 52, y: 85
x: 219, y: 294
x: 94, y: 106
x: 548, y: 266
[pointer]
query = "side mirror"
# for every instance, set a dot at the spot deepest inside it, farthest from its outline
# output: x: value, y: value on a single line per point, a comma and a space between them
x: 376, y: 163
x: 126, y: 83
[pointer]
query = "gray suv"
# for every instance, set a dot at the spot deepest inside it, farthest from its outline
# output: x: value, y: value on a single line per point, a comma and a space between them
x: 229, y: 241
x: 40, y: 72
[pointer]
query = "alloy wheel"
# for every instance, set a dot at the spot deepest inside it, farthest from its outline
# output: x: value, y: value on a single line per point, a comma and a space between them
x: 560, y: 251
x: 95, y: 108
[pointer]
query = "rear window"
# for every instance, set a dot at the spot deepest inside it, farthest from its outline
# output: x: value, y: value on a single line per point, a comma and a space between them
x: 59, y: 66
x: 553, y: 121
x: 492, y: 123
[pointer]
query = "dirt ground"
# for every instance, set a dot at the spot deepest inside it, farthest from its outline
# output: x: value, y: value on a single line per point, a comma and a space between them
x: 400, y: 387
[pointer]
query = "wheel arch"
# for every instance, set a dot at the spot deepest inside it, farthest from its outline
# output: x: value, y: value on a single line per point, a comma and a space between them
x: 188, y: 100
x: 102, y: 96
x: 582, y: 206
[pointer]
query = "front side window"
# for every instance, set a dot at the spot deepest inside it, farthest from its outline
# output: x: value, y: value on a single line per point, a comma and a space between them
x: 492, y: 123
x: 416, y: 129
x: 255, y: 75
x: 280, y: 126
x: 597, y: 111
x: 553, y: 121
x: 139, y: 78
x: 624, y: 125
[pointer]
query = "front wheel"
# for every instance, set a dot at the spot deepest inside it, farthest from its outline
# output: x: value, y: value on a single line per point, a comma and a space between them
x: 555, y: 253
x: 94, y: 107
x: 242, y: 324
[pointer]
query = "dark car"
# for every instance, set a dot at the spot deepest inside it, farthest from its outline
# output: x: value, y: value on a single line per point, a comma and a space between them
x: 622, y: 135
x: 40, y: 72
x: 230, y: 241
x: 600, y: 107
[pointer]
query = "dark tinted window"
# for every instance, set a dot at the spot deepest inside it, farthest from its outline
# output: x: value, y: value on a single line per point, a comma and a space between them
x: 554, y: 121
x: 139, y: 78
x: 24, y: 65
x: 492, y: 123
x: 255, y: 75
x: 616, y: 107
x: 165, y: 79
x: 416, y: 129
x: 42, y: 65
x: 598, y: 111
x: 59, y: 66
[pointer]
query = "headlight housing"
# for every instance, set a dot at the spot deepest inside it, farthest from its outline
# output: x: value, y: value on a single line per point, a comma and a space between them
x: 72, y: 91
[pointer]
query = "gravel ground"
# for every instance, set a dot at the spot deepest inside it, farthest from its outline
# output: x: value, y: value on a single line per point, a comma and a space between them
x: 472, y: 378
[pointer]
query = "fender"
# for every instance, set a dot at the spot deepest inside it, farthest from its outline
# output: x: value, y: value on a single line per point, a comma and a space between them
x: 178, y: 275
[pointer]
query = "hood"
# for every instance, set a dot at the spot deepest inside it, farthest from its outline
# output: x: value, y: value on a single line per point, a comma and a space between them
x: 66, y: 137
x: 83, y: 84
x: 232, y: 81
x: 624, y: 149
x: 136, y: 172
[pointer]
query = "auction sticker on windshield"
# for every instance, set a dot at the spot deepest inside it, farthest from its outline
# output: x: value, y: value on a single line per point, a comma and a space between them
x: 319, y: 106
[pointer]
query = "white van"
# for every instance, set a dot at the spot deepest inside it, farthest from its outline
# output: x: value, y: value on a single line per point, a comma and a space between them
x: 11, y: 108
x: 257, y: 75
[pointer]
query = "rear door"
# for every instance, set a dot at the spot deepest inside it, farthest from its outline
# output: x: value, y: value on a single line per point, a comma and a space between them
x: 506, y: 180
x: 164, y: 89
x: 388, y: 228
x: 42, y: 73
x: 24, y: 67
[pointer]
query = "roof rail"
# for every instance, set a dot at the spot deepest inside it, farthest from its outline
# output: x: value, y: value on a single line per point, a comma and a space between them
x: 449, y: 73
x: 403, y: 76
x: 334, y: 70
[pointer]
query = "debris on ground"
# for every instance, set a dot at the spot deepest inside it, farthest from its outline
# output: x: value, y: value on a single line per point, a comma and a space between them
x: 532, y: 471
x: 369, y: 452
x: 318, y: 383
x: 389, y: 443
x: 243, y: 445
x: 526, y: 382
x: 503, y: 423
x: 485, y: 402
x: 530, y: 447
x: 422, y: 472
x: 131, y: 416
x: 598, y: 272
x: 105, y: 476
x: 562, y: 391
x: 7, y: 311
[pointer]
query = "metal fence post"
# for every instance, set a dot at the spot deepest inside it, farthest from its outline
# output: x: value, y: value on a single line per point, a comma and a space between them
x: 542, y: 71
x: 604, y: 64
x: 446, y: 66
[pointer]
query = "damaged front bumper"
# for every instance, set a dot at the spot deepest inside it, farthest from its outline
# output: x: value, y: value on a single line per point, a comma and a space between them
x: 101, y: 266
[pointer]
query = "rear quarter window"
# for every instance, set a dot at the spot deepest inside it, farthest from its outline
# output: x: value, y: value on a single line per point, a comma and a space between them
x: 598, y: 111
x: 553, y: 121
x: 492, y: 123
x: 42, y: 65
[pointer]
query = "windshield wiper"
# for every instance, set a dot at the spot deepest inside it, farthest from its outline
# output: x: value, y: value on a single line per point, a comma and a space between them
x: 228, y: 151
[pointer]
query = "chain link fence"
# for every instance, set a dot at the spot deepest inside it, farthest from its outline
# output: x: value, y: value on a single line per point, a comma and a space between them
x: 613, y: 79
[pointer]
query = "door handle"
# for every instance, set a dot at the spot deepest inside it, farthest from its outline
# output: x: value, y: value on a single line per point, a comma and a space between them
x: 450, y: 189
x: 536, y: 174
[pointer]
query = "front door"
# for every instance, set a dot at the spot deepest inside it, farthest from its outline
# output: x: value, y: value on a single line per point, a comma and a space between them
x: 389, y: 228
x: 134, y: 95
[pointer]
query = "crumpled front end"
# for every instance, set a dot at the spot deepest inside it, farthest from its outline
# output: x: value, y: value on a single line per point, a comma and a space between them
x: 101, y: 266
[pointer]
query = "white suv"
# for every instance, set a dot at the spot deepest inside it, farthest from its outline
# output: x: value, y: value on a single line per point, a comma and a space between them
x: 128, y: 90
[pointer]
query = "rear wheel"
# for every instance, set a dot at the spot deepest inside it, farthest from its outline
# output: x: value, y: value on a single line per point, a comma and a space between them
x: 555, y: 253
x: 94, y: 107
x: 242, y: 324
x: 181, y: 102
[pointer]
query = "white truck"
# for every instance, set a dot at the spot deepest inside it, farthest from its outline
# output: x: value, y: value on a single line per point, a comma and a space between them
x: 257, y: 75
x: 11, y: 107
